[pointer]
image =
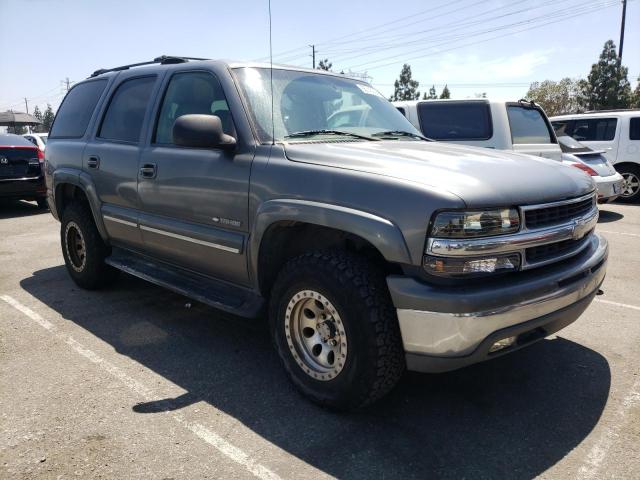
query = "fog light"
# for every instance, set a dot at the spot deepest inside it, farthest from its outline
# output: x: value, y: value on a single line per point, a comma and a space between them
x: 504, y: 343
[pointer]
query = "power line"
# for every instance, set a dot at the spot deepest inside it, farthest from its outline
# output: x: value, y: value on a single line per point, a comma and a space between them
x: 326, y: 42
x: 375, y: 63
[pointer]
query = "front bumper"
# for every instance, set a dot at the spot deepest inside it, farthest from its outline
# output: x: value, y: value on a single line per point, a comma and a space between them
x: 445, y: 328
x: 609, y: 188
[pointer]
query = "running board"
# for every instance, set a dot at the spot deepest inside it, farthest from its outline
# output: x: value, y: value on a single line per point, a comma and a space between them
x: 218, y: 294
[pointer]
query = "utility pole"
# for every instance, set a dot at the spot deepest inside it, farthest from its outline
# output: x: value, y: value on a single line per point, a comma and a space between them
x: 313, y: 54
x: 26, y: 106
x: 67, y: 82
x: 624, y: 14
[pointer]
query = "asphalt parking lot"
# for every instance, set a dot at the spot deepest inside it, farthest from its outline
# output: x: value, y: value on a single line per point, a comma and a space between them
x: 135, y: 381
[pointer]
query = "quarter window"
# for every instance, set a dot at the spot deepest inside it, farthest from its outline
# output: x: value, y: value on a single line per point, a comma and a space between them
x: 455, y: 121
x: 75, y: 112
x: 192, y: 93
x: 634, y: 128
x: 125, y: 114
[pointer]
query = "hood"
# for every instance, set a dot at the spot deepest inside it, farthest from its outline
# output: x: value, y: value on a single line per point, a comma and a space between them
x: 479, y: 176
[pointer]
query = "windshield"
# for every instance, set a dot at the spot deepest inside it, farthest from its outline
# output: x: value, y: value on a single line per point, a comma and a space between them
x: 309, y: 102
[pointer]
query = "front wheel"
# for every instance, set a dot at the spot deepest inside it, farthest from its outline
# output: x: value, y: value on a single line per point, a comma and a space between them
x: 336, y: 330
x: 83, y: 249
x: 630, y: 192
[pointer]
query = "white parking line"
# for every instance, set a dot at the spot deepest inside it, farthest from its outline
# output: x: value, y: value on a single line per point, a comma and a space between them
x: 609, y: 436
x: 617, y: 304
x: 223, y: 446
x: 619, y: 233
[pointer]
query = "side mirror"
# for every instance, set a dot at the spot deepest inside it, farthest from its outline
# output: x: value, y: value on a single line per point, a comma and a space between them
x: 202, y: 131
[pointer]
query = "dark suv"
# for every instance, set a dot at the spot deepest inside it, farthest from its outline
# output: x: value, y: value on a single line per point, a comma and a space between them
x: 21, y: 170
x: 372, y: 248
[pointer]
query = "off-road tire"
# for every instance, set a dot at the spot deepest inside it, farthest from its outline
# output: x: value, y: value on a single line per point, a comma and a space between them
x: 358, y: 290
x: 93, y: 273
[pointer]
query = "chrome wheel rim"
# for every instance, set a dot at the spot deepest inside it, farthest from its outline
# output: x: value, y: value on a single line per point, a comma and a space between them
x: 315, y: 335
x: 75, y: 246
x: 630, y: 184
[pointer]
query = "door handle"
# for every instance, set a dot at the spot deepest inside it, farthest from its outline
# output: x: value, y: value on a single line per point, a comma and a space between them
x: 93, y: 161
x: 148, y: 170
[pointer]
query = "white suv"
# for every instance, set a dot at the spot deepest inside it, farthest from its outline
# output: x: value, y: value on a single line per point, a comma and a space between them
x: 520, y: 126
x: 617, y: 133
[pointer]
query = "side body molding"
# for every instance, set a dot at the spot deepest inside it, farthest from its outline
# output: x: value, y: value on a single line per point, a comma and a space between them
x: 84, y: 182
x: 380, y: 232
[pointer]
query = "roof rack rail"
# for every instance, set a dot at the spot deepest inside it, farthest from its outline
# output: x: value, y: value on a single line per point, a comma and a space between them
x: 613, y: 110
x: 162, y: 60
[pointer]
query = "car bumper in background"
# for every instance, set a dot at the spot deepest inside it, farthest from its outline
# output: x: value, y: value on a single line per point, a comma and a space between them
x: 29, y: 187
x: 609, y: 188
x: 445, y: 328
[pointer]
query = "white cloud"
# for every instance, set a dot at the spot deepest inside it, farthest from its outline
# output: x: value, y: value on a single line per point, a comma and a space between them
x: 474, y: 68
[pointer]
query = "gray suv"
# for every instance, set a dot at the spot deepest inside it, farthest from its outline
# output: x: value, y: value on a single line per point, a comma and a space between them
x: 307, y: 195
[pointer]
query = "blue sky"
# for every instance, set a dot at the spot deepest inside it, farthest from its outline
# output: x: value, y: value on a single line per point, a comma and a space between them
x: 444, y: 41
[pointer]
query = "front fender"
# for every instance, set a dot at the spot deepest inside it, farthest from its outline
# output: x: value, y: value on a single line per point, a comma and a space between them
x: 380, y: 232
x: 83, y: 181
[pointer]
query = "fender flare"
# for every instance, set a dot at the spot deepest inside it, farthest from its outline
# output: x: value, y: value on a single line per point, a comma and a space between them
x: 380, y: 232
x: 84, y: 183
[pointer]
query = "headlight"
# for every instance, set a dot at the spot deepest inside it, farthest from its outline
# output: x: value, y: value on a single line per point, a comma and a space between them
x: 477, y: 223
x: 471, y: 267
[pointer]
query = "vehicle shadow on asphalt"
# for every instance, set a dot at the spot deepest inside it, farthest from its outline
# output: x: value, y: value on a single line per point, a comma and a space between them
x: 513, y: 417
x: 607, y: 216
x: 13, y: 209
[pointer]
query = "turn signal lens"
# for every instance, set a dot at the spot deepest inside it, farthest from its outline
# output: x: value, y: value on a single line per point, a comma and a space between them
x: 480, y: 223
x: 469, y: 267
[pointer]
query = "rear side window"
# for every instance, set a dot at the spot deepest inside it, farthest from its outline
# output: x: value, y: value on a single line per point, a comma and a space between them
x: 455, y: 121
x: 527, y: 125
x: 563, y: 127
x: 402, y: 111
x: 594, y: 129
x: 634, y: 128
x: 76, y: 110
x: 125, y: 114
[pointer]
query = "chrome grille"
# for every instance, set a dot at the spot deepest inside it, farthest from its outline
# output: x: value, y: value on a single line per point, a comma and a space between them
x: 557, y: 214
x: 554, y: 251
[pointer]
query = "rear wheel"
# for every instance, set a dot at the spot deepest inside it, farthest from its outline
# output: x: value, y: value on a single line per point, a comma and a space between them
x: 631, y: 184
x: 83, y: 249
x: 336, y: 330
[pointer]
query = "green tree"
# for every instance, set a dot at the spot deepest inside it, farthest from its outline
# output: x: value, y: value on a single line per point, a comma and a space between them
x: 405, y: 88
x: 607, y: 86
x: 557, y: 98
x: 635, y: 99
x: 325, y: 65
x: 445, y: 92
x: 38, y: 114
x: 47, y: 119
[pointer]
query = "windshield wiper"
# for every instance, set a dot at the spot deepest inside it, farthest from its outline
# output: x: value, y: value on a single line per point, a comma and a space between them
x: 310, y: 133
x: 401, y: 133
